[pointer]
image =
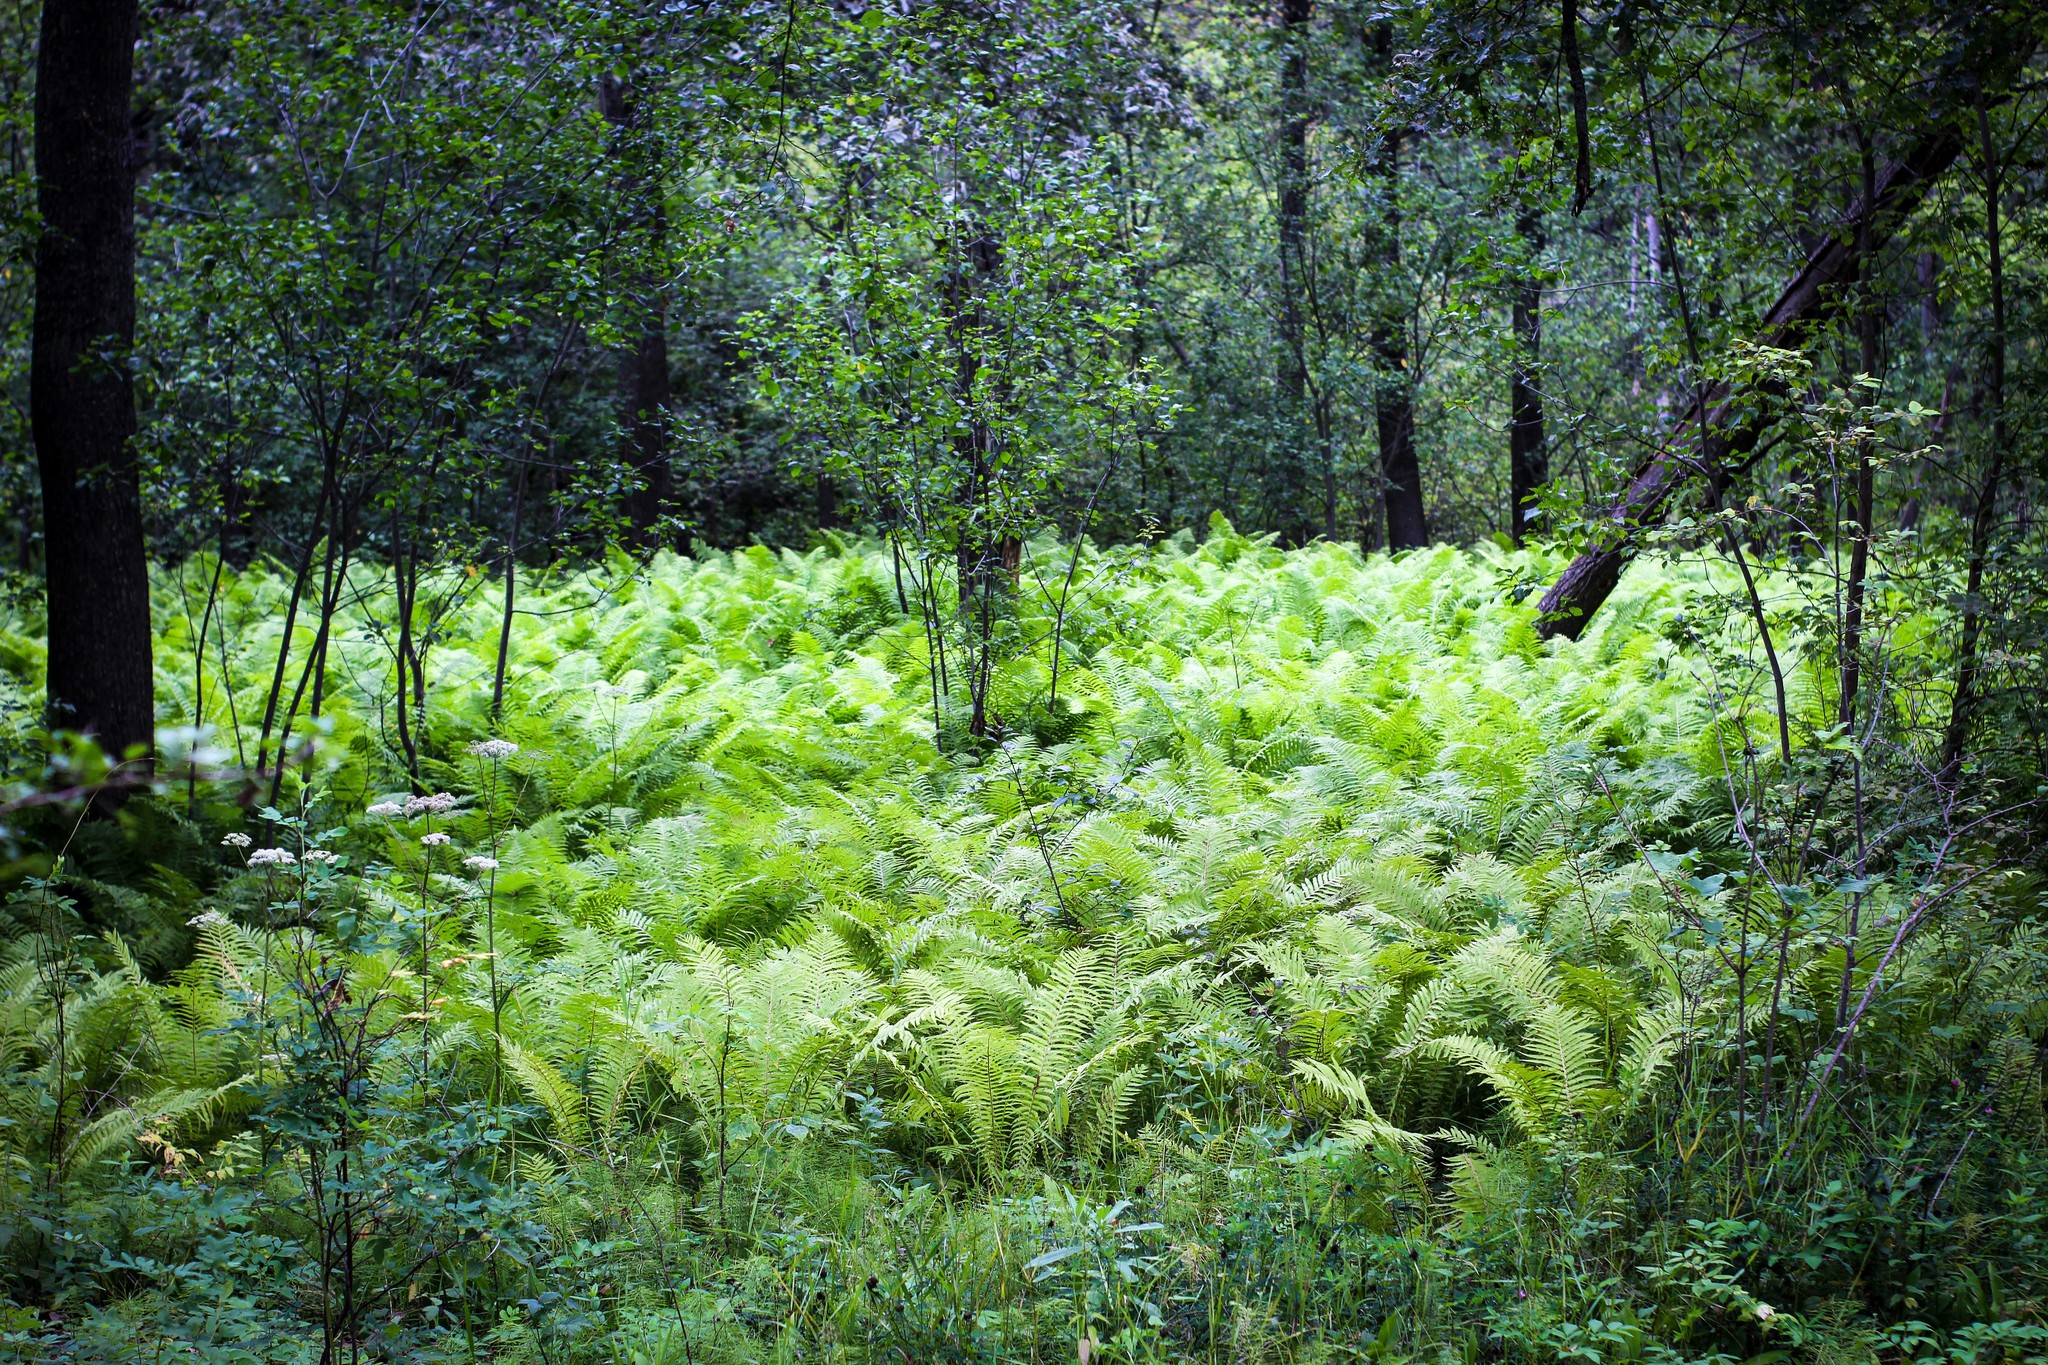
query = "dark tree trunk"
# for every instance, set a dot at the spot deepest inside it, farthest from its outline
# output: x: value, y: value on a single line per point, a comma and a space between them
x: 1582, y: 167
x: 1528, y: 458
x: 1964, y: 701
x: 1394, y: 399
x: 644, y: 370
x: 81, y: 391
x: 1721, y: 427
x: 1289, y: 490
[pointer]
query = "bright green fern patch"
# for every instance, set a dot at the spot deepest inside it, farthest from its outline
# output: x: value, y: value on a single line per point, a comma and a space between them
x: 1298, y: 833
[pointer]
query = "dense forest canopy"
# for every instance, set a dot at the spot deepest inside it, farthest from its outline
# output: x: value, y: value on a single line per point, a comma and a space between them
x: 1023, y: 679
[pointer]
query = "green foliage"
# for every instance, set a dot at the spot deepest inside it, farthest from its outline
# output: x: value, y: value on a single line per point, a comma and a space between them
x: 1327, y: 969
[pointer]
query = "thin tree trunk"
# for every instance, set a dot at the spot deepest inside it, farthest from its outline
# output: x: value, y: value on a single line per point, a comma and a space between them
x: 1326, y: 448
x: 199, y: 680
x: 334, y: 582
x: 1289, y: 493
x: 332, y: 510
x: 404, y: 586
x: 1870, y: 333
x: 511, y: 589
x: 81, y: 387
x: 1528, y: 459
x: 1963, y: 703
x: 1394, y: 398
x: 301, y: 574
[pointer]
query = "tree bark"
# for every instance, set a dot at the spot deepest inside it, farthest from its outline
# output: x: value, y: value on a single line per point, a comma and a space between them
x: 81, y: 388
x: 1528, y: 458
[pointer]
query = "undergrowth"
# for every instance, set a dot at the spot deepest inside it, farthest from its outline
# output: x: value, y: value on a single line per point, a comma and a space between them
x: 1308, y: 964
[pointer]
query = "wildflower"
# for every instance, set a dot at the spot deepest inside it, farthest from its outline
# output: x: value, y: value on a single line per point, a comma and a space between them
x: 209, y: 919
x: 321, y: 855
x: 236, y: 840
x: 434, y: 840
x: 479, y: 863
x: 495, y: 750
x: 429, y: 805
x: 387, y: 808
x: 1764, y: 1312
x: 273, y: 857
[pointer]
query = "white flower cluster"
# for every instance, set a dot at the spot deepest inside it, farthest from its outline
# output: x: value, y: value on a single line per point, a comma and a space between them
x: 211, y: 919
x: 321, y: 855
x: 496, y: 750
x: 434, y: 840
x: 479, y: 863
x: 273, y: 857
x: 387, y: 808
x: 429, y: 805
x: 236, y: 840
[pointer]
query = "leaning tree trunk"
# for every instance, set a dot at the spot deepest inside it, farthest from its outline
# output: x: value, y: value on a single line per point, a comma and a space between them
x: 1722, y: 427
x: 81, y: 390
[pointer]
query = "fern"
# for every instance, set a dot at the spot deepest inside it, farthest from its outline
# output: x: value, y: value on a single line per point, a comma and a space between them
x: 1309, y: 818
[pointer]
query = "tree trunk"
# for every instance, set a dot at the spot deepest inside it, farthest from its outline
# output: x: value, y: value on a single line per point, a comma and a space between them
x: 644, y: 370
x: 1963, y: 702
x: 1721, y: 429
x: 1528, y: 459
x: 1394, y: 398
x: 81, y: 389
x: 1582, y: 165
x: 1289, y: 493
